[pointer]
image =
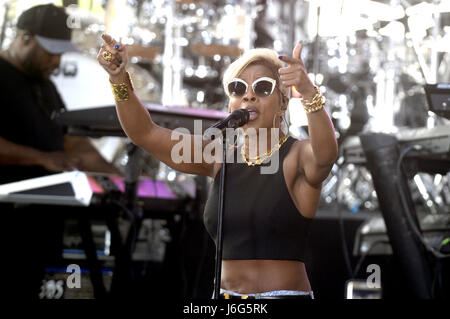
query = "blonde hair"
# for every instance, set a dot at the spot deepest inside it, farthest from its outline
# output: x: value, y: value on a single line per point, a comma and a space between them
x: 266, y: 57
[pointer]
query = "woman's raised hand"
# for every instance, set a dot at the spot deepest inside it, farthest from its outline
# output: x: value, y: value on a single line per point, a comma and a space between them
x: 113, y: 56
x: 295, y: 73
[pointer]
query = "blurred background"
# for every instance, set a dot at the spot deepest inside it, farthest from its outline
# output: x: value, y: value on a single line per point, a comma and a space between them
x: 384, y: 67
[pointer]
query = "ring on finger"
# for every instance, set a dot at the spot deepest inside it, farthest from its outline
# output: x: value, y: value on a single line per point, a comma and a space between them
x: 107, y: 56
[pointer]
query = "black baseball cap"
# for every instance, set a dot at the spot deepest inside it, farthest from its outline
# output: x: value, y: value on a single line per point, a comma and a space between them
x: 48, y: 23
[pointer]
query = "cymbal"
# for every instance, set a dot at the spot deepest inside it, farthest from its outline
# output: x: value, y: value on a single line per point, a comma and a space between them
x: 210, y: 50
x: 143, y: 52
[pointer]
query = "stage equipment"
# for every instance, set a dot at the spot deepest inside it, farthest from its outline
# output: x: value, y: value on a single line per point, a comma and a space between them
x: 383, y: 159
x: 438, y: 97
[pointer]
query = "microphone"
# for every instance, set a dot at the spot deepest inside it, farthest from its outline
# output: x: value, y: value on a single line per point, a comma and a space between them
x: 236, y: 119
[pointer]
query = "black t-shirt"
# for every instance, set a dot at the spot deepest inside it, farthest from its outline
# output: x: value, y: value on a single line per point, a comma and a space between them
x: 27, y: 107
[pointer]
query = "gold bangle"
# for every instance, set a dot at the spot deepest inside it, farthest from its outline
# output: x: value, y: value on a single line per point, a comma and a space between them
x: 316, y: 103
x: 306, y: 102
x: 120, y: 90
x: 315, y: 106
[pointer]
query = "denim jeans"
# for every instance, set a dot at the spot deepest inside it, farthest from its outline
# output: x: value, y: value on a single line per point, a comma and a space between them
x: 274, y: 293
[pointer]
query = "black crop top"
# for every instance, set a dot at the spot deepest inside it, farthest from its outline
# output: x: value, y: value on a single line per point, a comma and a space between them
x: 260, y: 219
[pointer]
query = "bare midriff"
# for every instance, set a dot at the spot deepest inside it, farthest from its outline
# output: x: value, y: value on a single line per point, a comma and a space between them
x: 256, y: 276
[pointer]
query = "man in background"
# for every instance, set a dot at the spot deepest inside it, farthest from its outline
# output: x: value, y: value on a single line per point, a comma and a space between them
x: 32, y: 144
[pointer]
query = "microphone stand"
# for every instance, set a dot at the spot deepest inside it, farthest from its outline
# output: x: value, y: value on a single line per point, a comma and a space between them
x: 236, y: 119
x: 218, y: 266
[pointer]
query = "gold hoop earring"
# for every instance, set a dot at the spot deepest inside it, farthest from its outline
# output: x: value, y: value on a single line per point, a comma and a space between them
x: 286, y: 130
x: 273, y: 121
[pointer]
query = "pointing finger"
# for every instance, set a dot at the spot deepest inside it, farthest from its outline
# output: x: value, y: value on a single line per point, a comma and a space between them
x: 288, y: 59
x: 113, y: 44
x: 108, y: 39
x: 297, y: 52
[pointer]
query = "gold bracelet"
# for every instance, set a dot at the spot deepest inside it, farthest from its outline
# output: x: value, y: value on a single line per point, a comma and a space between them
x: 305, y: 102
x: 316, y: 103
x: 317, y: 106
x: 120, y: 90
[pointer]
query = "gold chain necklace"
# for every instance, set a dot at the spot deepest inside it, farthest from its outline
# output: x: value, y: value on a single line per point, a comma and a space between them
x: 259, y: 159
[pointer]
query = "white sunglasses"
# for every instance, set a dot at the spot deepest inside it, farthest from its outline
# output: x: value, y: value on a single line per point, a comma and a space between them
x: 262, y: 87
